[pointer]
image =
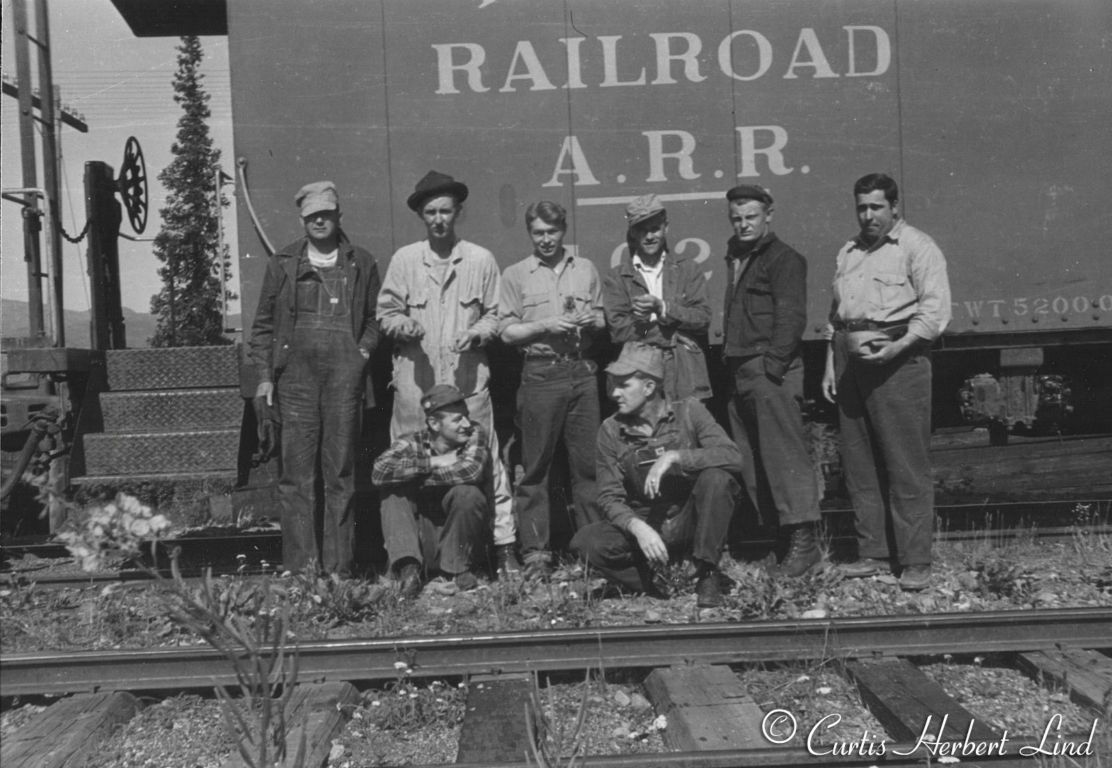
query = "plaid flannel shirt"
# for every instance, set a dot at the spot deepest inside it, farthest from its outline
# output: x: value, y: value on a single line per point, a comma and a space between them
x: 407, y: 460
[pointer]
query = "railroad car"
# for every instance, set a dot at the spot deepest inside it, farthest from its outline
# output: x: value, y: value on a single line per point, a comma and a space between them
x: 993, y: 115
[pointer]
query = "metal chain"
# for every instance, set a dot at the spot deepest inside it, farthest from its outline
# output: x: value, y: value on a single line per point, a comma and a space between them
x: 80, y: 236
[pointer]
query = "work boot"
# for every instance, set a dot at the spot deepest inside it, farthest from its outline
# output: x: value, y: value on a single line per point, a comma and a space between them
x: 507, y: 559
x: 466, y: 581
x: 866, y: 566
x: 803, y: 552
x: 409, y: 580
x: 708, y: 594
x: 538, y: 565
x: 915, y: 578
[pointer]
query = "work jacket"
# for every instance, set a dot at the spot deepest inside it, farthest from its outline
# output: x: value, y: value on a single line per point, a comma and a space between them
x: 272, y: 331
x: 679, y: 333
x: 766, y: 306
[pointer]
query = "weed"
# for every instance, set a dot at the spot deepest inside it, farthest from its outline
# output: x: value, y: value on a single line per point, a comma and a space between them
x: 330, y: 602
x: 245, y: 622
x: 406, y: 706
x: 551, y: 743
x: 248, y: 624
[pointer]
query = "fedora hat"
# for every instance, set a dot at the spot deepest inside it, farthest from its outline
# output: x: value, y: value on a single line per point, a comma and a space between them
x: 434, y: 184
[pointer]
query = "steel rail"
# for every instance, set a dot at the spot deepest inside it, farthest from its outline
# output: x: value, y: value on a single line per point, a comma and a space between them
x: 566, y: 649
x: 43, y: 578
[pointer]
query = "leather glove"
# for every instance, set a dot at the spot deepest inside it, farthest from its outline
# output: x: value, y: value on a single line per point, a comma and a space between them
x: 269, y: 430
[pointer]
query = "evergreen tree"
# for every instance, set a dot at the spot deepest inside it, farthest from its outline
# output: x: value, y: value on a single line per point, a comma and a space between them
x: 188, y: 307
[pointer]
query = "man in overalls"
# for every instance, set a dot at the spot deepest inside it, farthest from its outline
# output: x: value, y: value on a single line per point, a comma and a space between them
x: 313, y: 334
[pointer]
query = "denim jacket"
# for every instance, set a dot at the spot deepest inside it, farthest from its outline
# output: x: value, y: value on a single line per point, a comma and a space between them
x: 272, y: 331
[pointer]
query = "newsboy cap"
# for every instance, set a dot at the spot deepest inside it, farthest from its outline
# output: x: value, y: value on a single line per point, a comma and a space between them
x: 441, y: 396
x: 434, y: 184
x: 643, y: 208
x: 316, y: 197
x: 749, y: 192
x: 638, y: 357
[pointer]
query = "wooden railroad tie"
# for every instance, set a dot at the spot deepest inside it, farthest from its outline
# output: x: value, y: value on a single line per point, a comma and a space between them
x: 1087, y: 675
x: 494, y: 724
x: 319, y: 711
x: 69, y: 732
x: 707, y: 708
x: 903, y: 698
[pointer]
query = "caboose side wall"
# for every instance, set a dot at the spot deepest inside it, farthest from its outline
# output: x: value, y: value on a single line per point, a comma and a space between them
x: 992, y: 114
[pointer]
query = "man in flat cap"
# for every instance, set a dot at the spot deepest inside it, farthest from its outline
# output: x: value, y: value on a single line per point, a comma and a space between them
x: 891, y: 301
x: 436, y: 487
x: 551, y: 309
x: 439, y: 303
x: 765, y: 314
x: 659, y: 297
x: 666, y: 482
x: 313, y: 334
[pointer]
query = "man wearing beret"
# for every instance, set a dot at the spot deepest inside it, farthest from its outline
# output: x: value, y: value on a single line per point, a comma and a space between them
x: 313, y: 334
x: 765, y: 313
x: 436, y: 487
x: 439, y: 303
x: 891, y: 301
x: 666, y: 482
x: 658, y: 297
x: 551, y: 309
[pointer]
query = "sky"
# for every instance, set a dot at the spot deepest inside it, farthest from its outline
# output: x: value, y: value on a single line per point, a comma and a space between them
x: 122, y: 85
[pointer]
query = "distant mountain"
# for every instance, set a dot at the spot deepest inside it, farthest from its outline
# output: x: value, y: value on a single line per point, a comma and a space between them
x: 139, y: 326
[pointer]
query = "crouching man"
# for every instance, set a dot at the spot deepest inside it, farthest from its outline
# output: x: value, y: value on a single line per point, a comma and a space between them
x: 667, y: 482
x: 436, y: 489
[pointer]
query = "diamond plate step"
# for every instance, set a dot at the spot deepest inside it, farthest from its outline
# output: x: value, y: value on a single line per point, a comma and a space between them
x: 171, y: 410
x: 173, y: 368
x: 156, y: 452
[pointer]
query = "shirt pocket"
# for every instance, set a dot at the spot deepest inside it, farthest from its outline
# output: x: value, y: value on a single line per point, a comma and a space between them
x: 889, y: 290
x: 535, y: 306
x: 758, y: 296
x: 416, y: 301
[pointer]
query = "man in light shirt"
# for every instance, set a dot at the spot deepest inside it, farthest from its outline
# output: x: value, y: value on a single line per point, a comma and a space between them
x: 551, y: 309
x: 439, y: 303
x: 891, y: 301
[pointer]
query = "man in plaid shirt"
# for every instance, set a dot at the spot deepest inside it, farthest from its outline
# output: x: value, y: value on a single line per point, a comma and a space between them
x: 436, y: 490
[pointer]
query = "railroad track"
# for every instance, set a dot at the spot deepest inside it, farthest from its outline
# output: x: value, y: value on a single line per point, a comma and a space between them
x: 691, y: 683
x: 255, y: 552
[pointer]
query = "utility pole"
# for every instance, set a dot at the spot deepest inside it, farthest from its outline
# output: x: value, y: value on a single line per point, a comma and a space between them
x: 50, y: 165
x: 31, y: 214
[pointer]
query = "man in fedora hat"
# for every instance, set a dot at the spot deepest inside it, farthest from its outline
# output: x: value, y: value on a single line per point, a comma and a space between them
x: 765, y: 314
x: 313, y: 334
x: 551, y: 309
x: 436, y: 486
x: 439, y: 303
x: 659, y: 297
x: 666, y: 482
x: 891, y: 301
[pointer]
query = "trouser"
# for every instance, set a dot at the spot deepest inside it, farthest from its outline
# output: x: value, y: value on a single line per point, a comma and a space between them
x: 442, y: 528
x: 700, y: 528
x: 885, y: 422
x: 407, y: 410
x: 767, y: 424
x: 557, y: 399
x: 319, y: 394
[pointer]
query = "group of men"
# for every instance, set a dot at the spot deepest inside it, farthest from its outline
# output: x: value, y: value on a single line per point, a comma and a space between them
x: 657, y: 481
